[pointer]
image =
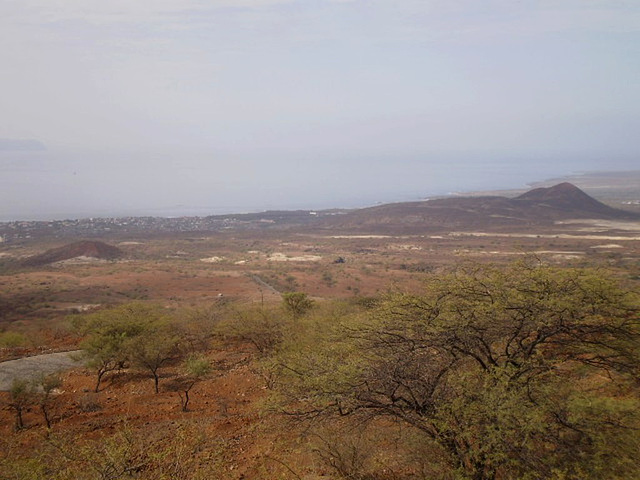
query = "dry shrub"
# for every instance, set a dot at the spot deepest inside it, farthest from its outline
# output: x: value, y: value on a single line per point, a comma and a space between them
x: 89, y: 402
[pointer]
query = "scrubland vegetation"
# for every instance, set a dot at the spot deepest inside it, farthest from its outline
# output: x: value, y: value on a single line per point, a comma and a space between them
x: 514, y: 371
x: 529, y: 372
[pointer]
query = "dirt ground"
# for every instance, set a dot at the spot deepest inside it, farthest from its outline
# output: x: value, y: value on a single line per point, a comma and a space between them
x: 177, y: 271
x: 37, y: 306
x: 225, y: 406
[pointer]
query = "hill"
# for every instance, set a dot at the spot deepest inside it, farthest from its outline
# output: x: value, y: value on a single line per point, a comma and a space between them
x: 538, y: 207
x: 81, y: 249
x: 566, y: 197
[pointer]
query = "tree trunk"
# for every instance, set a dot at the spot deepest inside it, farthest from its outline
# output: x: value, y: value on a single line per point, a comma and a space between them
x: 19, y: 421
x: 185, y: 402
x: 45, y: 414
x: 100, y: 374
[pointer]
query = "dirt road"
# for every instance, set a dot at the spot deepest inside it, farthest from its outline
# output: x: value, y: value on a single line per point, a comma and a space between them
x: 30, y: 368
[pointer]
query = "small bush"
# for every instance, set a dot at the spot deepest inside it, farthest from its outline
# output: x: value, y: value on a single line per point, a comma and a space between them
x: 89, y: 403
x: 11, y: 339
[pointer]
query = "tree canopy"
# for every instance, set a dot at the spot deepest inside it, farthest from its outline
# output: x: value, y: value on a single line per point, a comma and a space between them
x: 132, y: 332
x: 296, y: 303
x: 521, y: 372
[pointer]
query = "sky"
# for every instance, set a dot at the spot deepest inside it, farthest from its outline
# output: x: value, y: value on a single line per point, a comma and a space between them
x: 196, y: 107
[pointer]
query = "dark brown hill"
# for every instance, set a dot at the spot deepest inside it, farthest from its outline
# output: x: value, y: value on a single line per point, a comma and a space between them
x: 541, y: 206
x: 85, y: 248
x: 568, y: 198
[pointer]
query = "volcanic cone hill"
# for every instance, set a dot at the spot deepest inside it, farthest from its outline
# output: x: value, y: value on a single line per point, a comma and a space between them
x: 567, y: 199
x: 81, y: 249
x: 538, y: 207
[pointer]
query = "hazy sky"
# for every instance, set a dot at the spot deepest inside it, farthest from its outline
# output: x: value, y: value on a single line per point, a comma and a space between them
x: 192, y: 106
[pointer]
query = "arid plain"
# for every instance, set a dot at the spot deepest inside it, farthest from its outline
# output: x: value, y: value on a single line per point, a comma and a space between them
x: 204, y: 278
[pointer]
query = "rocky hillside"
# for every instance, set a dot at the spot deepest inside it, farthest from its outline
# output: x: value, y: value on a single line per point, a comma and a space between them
x: 82, y: 249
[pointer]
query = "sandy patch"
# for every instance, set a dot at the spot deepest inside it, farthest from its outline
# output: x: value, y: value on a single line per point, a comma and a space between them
x: 565, y: 257
x: 130, y: 243
x: 360, y: 236
x: 559, y: 253
x: 608, y: 224
x: 533, y: 235
x: 610, y: 245
x: 485, y: 253
x: 211, y: 259
x: 403, y: 247
x: 81, y: 260
x: 281, y: 257
x: 84, y: 307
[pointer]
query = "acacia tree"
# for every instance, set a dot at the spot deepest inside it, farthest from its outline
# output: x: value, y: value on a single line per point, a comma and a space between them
x: 20, y: 397
x: 153, y: 349
x: 297, y: 303
x: 110, y: 333
x: 196, y: 368
x: 24, y: 394
x: 526, y: 372
x: 261, y: 326
x: 46, y: 385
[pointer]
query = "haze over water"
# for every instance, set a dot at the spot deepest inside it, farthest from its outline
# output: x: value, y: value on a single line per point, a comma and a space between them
x: 138, y: 190
x: 178, y: 107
